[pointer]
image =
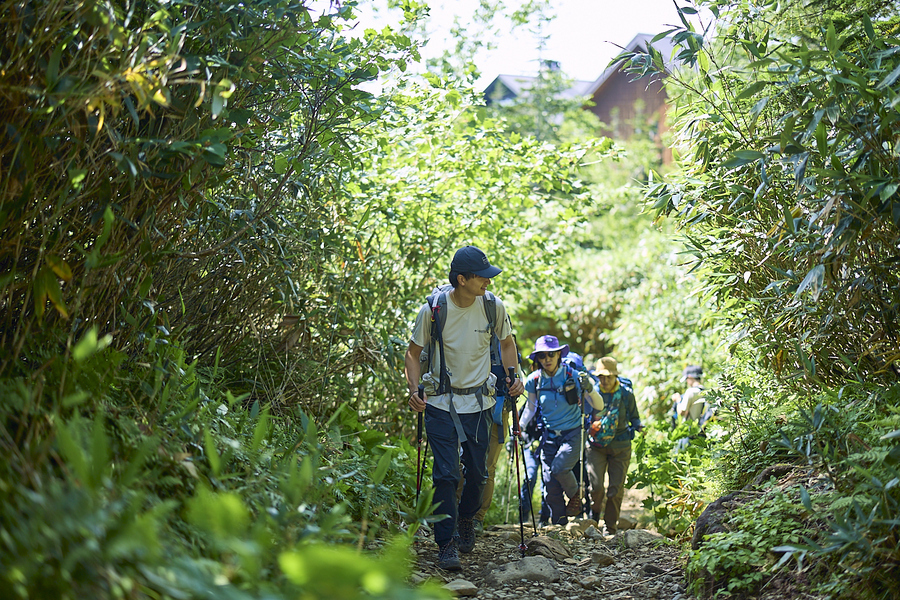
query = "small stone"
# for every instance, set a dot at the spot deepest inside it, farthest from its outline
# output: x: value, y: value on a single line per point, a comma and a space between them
x: 570, y: 561
x: 590, y: 582
x: 461, y: 587
x: 490, y: 566
x: 548, y: 593
x: 602, y: 559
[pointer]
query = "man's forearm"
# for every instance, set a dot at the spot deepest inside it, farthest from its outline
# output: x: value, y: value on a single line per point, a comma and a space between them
x: 412, y: 371
x: 509, y: 354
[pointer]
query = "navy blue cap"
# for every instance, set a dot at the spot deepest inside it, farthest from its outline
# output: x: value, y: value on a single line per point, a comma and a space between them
x: 694, y: 371
x: 470, y: 259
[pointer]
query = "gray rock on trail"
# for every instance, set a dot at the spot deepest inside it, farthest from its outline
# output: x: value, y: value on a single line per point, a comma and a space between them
x: 602, y: 559
x: 530, y: 568
x: 635, y: 538
x: 545, y: 546
x: 461, y: 587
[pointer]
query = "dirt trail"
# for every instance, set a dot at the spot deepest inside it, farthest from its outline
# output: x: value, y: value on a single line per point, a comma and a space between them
x: 649, y: 568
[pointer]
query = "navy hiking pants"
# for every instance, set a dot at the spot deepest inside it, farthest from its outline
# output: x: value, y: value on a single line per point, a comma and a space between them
x: 445, y: 478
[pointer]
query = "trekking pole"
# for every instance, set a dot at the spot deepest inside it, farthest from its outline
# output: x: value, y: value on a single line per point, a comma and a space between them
x: 582, y: 469
x: 508, y: 489
x: 420, y: 463
x: 516, y: 433
x: 527, y: 487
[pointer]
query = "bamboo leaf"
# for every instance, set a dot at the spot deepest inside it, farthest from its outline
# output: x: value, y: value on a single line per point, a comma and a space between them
x: 751, y: 90
x: 889, y: 80
x: 261, y: 429
x: 72, y: 452
x: 381, y: 470
x: 212, y: 454
x: 814, y: 281
x: 804, y: 498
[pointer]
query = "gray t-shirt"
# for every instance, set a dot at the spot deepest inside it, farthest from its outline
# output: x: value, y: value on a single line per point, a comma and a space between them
x: 467, y: 352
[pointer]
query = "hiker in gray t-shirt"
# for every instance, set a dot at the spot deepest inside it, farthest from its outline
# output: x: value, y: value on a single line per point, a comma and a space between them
x: 461, y: 415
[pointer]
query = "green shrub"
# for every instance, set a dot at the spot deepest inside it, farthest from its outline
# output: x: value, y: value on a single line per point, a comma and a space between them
x: 677, y: 467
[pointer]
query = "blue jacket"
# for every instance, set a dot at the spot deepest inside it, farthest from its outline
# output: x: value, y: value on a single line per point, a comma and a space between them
x: 557, y: 414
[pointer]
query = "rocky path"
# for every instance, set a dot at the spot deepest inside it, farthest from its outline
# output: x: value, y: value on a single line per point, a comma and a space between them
x: 575, y: 562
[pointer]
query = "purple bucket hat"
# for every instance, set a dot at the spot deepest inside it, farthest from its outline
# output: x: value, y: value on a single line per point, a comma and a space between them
x: 548, y: 343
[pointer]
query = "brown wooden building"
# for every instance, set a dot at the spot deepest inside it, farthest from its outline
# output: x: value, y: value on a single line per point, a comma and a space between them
x: 623, y: 104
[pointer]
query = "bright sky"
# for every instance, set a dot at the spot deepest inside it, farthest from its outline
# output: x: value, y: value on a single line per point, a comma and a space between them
x: 583, y: 36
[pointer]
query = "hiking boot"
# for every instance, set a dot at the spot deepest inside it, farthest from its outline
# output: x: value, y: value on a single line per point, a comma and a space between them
x: 448, y: 557
x: 479, y: 527
x: 573, y: 508
x: 466, y: 529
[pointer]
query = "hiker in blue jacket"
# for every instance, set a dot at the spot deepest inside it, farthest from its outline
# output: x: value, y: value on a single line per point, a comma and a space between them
x: 609, y: 458
x: 459, y: 394
x: 556, y: 389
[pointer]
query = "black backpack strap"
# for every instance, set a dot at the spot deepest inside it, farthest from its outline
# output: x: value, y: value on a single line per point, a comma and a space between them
x: 438, y: 319
x: 490, y: 311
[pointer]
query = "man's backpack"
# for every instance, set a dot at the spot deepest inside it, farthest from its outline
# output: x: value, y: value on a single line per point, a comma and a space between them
x: 437, y: 302
x: 609, y: 420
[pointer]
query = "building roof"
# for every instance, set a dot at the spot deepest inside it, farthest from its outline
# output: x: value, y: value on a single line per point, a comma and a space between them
x: 515, y: 86
x: 665, y: 46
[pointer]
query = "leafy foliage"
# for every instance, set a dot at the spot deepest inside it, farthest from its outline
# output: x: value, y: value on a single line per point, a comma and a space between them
x: 202, y: 495
x: 167, y: 198
x: 786, y: 124
x: 797, y: 167
x: 174, y: 166
x: 676, y: 466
